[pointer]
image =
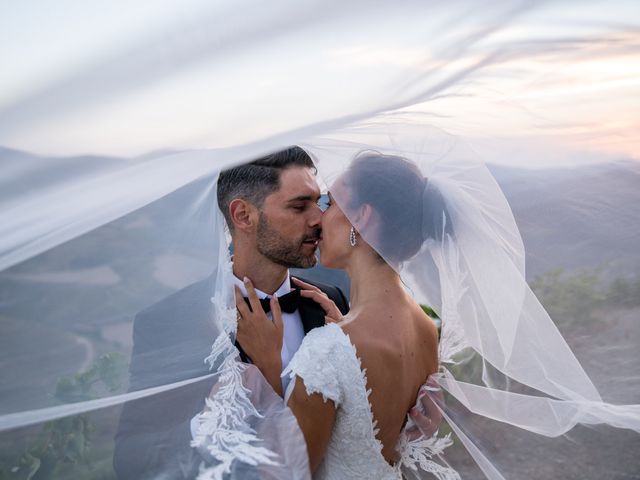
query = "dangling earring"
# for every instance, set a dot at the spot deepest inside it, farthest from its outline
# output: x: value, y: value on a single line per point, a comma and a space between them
x: 352, y: 237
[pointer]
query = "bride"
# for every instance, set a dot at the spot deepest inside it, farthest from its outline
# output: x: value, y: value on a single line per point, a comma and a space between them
x: 355, y: 380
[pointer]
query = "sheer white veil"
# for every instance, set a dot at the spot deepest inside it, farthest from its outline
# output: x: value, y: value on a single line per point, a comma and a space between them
x: 115, y: 121
x: 503, y: 359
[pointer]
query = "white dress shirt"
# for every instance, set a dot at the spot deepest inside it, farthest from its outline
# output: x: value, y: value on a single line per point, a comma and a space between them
x: 292, y: 338
x: 293, y: 330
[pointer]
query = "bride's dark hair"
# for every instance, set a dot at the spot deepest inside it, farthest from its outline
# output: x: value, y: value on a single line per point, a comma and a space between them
x: 396, y: 189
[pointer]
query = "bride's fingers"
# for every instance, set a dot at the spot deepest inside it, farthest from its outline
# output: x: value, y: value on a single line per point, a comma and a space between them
x: 305, y: 285
x: 241, y: 305
x: 321, y: 298
x: 318, y: 297
x: 427, y: 424
x: 325, y: 302
x: 277, y: 313
x: 252, y: 295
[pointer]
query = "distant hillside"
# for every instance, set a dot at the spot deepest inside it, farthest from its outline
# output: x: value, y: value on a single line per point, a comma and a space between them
x: 16, y: 165
x: 571, y: 218
x: 587, y: 217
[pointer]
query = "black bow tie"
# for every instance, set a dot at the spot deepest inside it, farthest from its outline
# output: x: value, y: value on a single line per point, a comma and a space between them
x: 288, y: 303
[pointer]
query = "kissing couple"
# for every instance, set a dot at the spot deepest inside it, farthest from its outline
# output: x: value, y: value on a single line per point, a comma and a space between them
x: 352, y: 377
x: 316, y: 386
x: 350, y: 371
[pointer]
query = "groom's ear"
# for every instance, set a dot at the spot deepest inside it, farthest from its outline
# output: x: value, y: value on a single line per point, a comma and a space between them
x: 243, y: 214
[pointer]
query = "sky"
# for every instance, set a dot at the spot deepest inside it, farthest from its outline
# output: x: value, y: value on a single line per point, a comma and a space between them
x: 526, y: 83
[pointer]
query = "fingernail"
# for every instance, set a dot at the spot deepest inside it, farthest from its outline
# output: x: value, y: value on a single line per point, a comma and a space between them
x: 245, y: 279
x: 275, y: 297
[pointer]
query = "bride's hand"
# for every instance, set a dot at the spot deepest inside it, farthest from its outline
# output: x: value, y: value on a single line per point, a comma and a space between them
x: 426, y: 415
x: 260, y: 338
x: 333, y: 313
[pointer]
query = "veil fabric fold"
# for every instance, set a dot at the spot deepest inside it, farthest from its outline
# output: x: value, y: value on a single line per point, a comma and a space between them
x: 528, y: 376
x: 115, y: 121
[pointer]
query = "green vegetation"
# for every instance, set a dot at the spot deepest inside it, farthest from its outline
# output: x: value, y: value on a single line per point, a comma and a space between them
x: 433, y: 315
x: 580, y: 297
x: 569, y: 298
x: 64, y: 448
x: 107, y: 373
x: 430, y: 311
x: 624, y: 292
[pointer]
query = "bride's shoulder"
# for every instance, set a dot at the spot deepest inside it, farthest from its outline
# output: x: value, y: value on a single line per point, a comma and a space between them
x: 369, y: 331
x: 324, y: 360
x: 384, y: 329
x: 326, y: 338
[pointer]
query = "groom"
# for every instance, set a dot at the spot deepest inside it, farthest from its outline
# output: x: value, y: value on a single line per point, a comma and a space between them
x: 270, y: 206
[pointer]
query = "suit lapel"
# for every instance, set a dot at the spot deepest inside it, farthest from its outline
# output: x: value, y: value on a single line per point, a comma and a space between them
x: 311, y: 314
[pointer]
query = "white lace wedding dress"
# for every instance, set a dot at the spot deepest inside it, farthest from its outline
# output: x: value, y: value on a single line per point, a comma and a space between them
x: 327, y: 363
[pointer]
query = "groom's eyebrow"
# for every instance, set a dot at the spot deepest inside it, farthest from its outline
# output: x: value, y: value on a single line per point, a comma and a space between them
x: 304, y: 198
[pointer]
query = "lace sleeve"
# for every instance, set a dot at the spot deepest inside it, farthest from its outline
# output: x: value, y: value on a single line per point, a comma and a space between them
x: 317, y: 363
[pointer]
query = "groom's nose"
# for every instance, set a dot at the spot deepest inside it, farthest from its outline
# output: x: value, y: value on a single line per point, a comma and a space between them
x: 315, y: 216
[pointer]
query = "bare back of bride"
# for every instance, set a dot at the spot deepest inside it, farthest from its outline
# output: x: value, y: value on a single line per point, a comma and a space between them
x: 397, y: 346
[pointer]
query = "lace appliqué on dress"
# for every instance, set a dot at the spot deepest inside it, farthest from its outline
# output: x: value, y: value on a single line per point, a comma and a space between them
x: 223, y: 432
x: 311, y: 363
x: 417, y: 454
x: 328, y: 364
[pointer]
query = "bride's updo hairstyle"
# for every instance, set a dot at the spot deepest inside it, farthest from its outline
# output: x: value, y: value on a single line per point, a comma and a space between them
x: 408, y: 208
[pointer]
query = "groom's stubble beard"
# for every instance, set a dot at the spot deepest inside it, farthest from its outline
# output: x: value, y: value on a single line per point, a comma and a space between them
x: 283, y: 251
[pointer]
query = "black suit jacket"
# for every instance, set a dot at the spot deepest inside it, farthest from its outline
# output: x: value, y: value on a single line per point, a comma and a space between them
x: 170, y: 341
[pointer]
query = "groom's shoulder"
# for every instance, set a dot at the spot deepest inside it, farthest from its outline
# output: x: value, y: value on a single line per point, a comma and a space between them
x: 172, y: 337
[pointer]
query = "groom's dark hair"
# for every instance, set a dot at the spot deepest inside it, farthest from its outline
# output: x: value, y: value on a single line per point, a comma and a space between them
x: 255, y: 181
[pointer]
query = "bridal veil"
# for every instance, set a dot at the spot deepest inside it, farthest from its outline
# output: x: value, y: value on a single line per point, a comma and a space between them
x: 114, y: 123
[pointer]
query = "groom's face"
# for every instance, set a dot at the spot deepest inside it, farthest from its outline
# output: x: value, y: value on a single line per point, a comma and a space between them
x: 289, y: 224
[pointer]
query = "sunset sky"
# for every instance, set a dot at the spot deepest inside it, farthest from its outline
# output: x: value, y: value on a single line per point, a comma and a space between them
x: 526, y: 83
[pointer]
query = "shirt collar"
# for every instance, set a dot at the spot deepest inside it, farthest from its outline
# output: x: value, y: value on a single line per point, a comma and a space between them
x: 282, y: 289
